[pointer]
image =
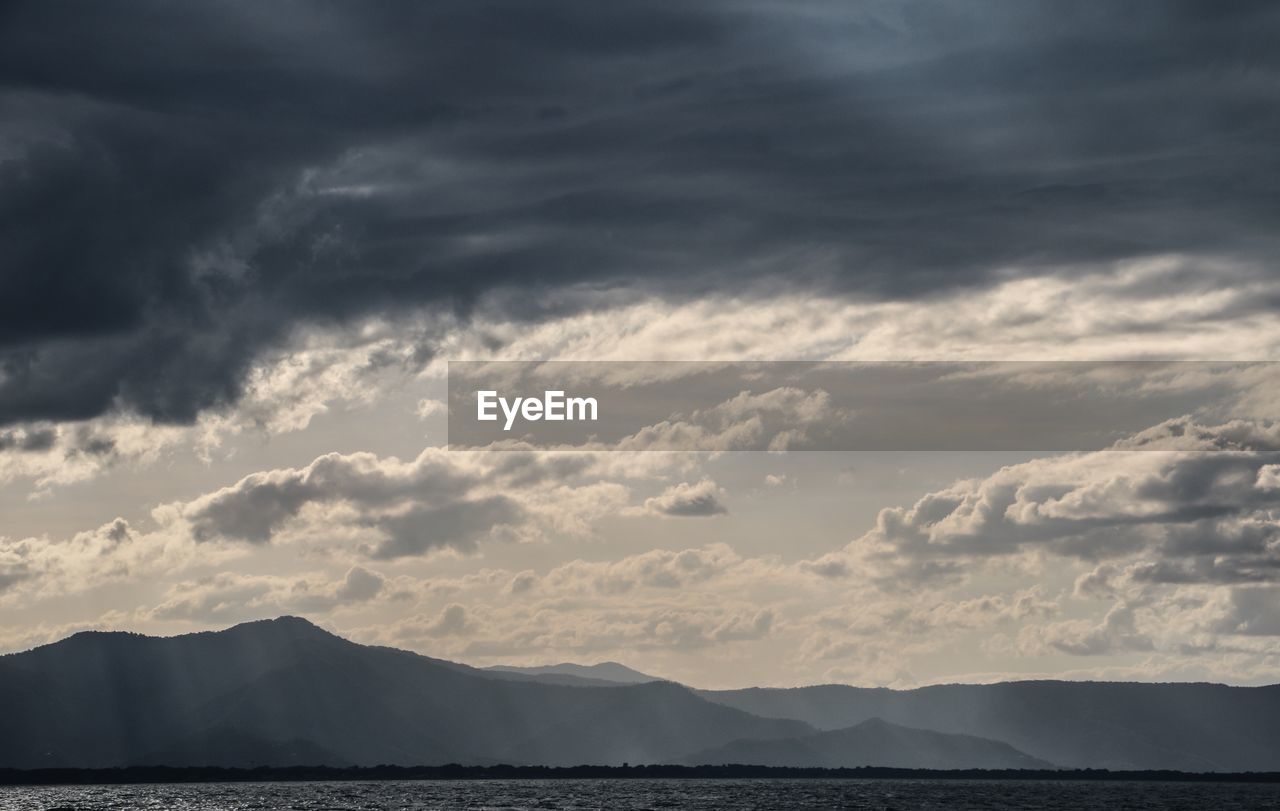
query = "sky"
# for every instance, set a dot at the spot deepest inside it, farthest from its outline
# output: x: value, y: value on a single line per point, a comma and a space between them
x: 240, y: 243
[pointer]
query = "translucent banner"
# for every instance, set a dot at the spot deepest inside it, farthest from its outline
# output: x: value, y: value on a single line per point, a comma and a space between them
x: 843, y: 406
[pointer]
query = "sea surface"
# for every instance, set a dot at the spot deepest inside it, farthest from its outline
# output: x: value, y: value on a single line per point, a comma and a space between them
x: 519, y: 795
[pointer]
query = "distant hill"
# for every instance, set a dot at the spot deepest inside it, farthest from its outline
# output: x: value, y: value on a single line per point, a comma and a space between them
x: 611, y: 672
x: 283, y: 691
x: 1113, y: 725
x: 874, y: 743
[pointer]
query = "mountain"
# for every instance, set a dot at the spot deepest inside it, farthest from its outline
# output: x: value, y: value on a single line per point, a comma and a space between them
x: 283, y: 691
x: 1115, y: 725
x: 605, y: 672
x: 874, y: 743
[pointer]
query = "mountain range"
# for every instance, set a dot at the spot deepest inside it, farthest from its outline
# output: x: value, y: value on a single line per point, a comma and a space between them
x: 1110, y: 725
x: 605, y: 672
x: 285, y: 692
x: 873, y: 742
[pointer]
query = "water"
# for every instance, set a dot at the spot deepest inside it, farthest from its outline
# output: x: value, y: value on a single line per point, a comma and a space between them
x: 624, y: 795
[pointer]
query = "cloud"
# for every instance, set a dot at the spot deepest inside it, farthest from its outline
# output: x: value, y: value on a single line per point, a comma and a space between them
x: 1117, y: 632
x: 1169, y: 306
x: 360, y: 584
x: 429, y: 503
x: 831, y: 566
x: 523, y: 582
x: 169, y: 224
x: 779, y: 419
x: 342, y: 507
x: 36, y: 567
x: 687, y: 500
x: 1178, y: 540
x: 49, y: 455
x: 28, y: 439
x: 661, y: 600
x: 1197, y: 511
x: 459, y: 525
x: 388, y: 508
x: 878, y: 618
x: 451, y: 621
x: 617, y: 628
x: 25, y: 637
x: 317, y: 371
x: 232, y: 597
x: 1143, y: 308
x: 1252, y: 611
x: 431, y: 408
x: 657, y: 568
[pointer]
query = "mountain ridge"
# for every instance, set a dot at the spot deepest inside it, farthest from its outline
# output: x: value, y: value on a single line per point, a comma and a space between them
x: 613, y: 672
x: 874, y: 742
x: 1189, y: 726
x: 103, y: 699
x: 274, y: 692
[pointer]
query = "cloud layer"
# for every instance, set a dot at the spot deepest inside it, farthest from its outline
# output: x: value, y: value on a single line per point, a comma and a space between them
x: 168, y: 220
x: 237, y: 241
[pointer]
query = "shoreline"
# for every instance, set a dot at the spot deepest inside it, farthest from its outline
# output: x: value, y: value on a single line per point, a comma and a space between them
x: 309, y: 774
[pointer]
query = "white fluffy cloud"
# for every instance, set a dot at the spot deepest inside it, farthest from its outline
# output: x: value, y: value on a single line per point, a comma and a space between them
x: 1196, y: 513
x: 40, y: 568
x: 699, y: 500
x: 439, y: 500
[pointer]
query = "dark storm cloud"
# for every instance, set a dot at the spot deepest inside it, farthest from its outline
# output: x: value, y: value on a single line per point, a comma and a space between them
x: 182, y: 183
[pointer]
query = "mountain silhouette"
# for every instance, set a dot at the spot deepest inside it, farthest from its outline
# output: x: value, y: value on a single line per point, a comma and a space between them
x: 568, y: 673
x: 1111, y: 725
x: 874, y: 743
x: 283, y: 691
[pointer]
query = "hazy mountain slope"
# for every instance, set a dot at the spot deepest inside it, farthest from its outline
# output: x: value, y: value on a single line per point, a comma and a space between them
x: 549, y: 678
x: 1074, y: 724
x: 93, y: 697
x: 517, y: 675
x: 604, y: 671
x: 874, y: 743
x: 611, y: 722
x: 436, y: 717
x: 283, y: 689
